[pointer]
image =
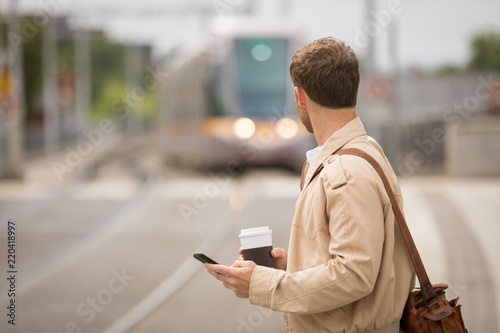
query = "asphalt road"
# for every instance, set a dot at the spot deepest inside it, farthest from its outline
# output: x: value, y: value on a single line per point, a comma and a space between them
x: 115, y: 254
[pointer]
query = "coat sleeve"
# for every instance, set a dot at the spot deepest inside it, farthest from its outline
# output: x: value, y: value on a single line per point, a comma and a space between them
x: 354, y: 211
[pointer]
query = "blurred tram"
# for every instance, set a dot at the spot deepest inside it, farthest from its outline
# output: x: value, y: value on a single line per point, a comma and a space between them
x: 232, y: 104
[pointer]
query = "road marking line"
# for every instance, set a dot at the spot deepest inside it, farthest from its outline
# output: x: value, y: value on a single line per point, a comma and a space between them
x: 467, y: 267
x: 174, y: 281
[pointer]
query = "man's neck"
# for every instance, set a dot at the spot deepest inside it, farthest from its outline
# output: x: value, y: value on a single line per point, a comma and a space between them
x: 327, y: 121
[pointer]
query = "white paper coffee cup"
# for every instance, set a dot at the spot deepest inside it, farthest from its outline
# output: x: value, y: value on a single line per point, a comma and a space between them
x: 257, y: 244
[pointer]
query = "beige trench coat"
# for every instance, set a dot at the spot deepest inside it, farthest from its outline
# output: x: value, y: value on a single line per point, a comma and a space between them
x: 348, y: 267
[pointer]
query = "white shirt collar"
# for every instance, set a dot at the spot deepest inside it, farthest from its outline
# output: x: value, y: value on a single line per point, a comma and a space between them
x: 311, y: 154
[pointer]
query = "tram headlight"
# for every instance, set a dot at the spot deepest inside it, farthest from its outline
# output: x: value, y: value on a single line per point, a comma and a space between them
x: 244, y: 128
x: 287, y: 128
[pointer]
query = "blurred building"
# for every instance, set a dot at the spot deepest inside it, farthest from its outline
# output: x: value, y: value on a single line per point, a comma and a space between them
x: 435, y: 124
x: 68, y: 75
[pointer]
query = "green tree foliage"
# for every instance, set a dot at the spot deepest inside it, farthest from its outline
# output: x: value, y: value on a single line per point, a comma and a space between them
x: 107, y: 71
x: 107, y: 74
x: 485, y: 52
x: 110, y: 91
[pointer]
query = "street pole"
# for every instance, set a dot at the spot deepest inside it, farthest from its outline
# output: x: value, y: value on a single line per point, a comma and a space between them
x: 370, y: 52
x: 83, y: 84
x: 4, y: 94
x: 134, y: 119
x: 286, y: 8
x: 392, y: 32
x: 13, y: 168
x: 50, y: 93
x: 393, y: 46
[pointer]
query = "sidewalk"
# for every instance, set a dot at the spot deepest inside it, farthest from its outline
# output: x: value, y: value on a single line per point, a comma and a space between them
x: 49, y: 173
x: 477, y: 202
x: 38, y: 180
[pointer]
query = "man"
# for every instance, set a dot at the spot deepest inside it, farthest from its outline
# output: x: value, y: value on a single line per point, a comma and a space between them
x: 347, y: 269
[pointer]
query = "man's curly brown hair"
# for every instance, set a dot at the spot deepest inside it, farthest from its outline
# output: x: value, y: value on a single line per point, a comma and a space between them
x: 328, y: 71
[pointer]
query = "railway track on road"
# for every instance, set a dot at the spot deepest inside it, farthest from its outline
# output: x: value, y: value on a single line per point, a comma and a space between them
x: 143, y: 238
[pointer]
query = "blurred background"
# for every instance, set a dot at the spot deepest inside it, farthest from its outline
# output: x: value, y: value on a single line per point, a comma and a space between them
x: 134, y: 133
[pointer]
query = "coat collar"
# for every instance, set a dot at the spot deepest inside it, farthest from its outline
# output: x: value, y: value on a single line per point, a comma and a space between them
x: 337, y: 140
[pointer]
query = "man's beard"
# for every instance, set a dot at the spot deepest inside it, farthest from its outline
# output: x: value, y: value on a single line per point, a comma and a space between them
x: 304, y: 118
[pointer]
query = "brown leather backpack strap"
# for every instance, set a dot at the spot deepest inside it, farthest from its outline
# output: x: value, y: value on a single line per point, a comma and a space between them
x: 428, y: 291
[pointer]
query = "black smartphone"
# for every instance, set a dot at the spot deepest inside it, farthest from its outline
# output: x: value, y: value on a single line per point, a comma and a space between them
x: 204, y: 259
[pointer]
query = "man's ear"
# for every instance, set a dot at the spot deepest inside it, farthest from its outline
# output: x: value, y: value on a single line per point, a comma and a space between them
x: 300, y: 96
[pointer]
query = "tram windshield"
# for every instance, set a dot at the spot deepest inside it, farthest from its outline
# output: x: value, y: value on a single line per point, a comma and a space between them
x: 262, y: 76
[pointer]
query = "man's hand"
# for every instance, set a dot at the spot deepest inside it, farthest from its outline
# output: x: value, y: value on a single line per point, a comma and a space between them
x: 235, y: 277
x: 280, y: 257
